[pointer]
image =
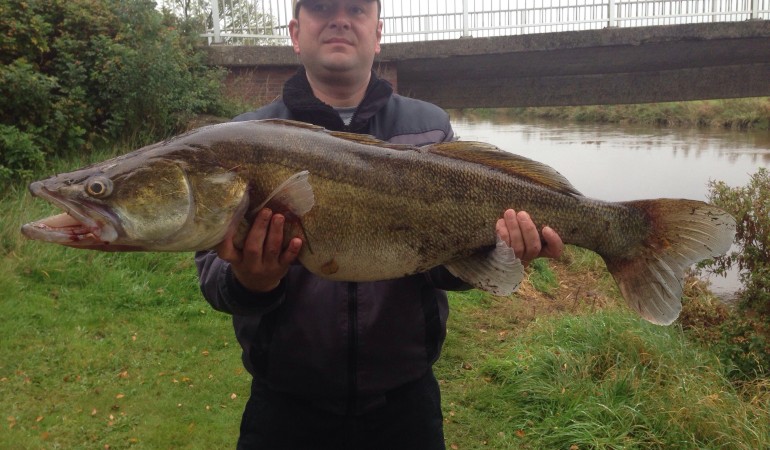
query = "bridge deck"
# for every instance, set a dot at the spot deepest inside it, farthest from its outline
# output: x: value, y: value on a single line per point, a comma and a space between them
x: 609, y: 66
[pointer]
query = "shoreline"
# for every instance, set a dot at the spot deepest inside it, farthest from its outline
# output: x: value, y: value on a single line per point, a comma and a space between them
x: 742, y: 114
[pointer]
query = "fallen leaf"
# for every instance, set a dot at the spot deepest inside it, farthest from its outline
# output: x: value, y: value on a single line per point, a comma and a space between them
x: 123, y: 374
x: 454, y: 447
x: 233, y: 396
x: 119, y: 396
x: 520, y: 433
x: 205, y: 353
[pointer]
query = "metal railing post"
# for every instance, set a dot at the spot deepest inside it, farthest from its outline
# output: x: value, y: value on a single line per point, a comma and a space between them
x: 612, y: 18
x: 465, y: 19
x: 215, y: 21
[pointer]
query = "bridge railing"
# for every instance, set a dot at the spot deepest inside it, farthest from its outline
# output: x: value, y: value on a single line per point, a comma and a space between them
x: 264, y: 22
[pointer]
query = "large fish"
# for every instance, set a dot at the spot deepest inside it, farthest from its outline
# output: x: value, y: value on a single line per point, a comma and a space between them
x: 368, y: 210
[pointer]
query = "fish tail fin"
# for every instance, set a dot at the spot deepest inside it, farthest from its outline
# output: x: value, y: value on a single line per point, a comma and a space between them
x: 683, y: 232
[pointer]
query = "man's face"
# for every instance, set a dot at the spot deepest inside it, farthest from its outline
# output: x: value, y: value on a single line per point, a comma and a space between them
x: 337, y: 36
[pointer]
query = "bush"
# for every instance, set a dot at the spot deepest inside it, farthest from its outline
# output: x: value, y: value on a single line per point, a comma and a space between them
x: 746, y: 334
x: 20, y: 154
x: 750, y: 205
x: 77, y: 72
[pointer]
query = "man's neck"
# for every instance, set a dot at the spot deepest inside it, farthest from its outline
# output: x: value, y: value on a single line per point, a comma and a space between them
x: 339, y: 92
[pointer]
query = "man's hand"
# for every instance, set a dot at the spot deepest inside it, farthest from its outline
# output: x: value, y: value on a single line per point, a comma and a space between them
x: 262, y: 263
x: 520, y: 233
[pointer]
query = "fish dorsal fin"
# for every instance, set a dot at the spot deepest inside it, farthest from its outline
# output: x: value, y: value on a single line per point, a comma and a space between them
x: 516, y: 165
x: 363, y: 139
x: 292, y: 123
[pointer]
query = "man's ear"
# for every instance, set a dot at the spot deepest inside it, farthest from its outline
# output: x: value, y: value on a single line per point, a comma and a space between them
x: 380, y: 25
x: 294, y: 33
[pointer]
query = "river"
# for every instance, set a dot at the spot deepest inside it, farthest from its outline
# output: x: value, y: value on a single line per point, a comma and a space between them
x: 624, y: 162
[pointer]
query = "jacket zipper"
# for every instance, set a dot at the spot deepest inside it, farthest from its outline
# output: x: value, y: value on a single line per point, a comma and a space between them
x: 352, y: 346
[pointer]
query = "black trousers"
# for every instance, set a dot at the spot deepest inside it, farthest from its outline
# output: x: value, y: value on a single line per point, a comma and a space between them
x: 410, y: 419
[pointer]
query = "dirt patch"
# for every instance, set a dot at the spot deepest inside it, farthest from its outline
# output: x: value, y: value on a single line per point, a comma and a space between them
x: 576, y: 293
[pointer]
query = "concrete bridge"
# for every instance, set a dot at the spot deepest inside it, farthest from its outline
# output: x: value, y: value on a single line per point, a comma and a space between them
x: 607, y: 66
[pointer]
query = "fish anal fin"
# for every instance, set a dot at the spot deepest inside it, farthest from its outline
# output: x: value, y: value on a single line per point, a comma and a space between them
x: 510, y: 163
x: 682, y: 233
x: 498, y: 271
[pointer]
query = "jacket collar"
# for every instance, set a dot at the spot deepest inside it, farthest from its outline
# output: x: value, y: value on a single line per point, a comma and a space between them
x: 306, y: 107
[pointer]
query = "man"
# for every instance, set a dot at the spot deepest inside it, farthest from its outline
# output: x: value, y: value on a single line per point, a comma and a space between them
x: 340, y: 365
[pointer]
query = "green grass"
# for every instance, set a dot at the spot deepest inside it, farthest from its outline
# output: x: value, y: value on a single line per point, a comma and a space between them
x: 113, y: 349
x: 606, y: 380
x: 542, y: 277
x: 116, y: 351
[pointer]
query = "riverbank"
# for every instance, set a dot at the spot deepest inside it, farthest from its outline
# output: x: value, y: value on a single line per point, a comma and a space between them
x: 738, y: 114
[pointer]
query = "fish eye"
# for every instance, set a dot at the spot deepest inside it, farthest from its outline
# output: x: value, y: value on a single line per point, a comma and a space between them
x: 99, y: 187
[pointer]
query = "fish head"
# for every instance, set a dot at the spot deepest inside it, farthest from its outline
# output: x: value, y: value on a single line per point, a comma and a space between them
x: 141, y: 202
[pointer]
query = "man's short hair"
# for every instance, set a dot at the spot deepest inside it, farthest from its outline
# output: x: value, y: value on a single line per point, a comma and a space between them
x: 295, y: 4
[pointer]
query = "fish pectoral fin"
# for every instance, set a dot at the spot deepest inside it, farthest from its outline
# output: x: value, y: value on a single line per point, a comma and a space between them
x: 498, y: 271
x: 295, y: 195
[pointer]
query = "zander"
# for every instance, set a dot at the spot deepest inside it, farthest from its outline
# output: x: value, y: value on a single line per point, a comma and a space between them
x: 368, y: 210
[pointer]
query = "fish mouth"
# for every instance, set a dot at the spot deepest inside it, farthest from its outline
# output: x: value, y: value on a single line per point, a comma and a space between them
x: 80, y: 225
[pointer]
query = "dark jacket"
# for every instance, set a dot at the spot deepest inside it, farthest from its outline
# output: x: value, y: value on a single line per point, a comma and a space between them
x: 340, y: 345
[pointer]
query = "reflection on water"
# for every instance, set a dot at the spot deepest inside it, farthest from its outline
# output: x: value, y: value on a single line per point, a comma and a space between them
x: 617, y: 162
